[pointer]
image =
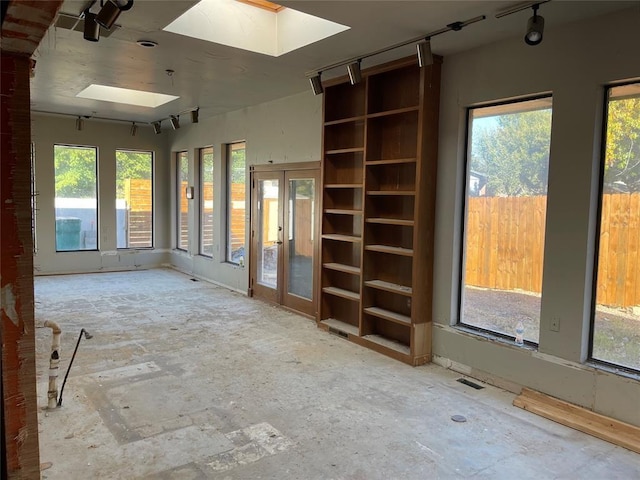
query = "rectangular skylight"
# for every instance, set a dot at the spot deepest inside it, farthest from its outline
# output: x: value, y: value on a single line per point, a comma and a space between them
x: 125, y: 95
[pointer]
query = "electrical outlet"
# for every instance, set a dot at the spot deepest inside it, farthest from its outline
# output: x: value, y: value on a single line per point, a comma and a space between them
x: 555, y: 324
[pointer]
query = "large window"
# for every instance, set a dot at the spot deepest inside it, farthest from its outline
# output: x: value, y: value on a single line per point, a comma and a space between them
x: 134, y: 199
x: 182, y: 177
x: 506, y: 197
x: 76, y: 201
x: 236, y: 202
x: 206, y: 201
x: 616, y: 326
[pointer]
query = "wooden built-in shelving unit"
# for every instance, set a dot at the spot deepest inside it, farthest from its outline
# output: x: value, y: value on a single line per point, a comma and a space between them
x: 378, y: 177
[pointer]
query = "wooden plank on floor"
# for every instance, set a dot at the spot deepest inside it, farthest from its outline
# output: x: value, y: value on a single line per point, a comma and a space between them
x: 600, y: 426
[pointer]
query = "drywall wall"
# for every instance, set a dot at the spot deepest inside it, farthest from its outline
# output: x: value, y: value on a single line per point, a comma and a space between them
x: 574, y: 65
x: 49, y: 130
x: 283, y: 131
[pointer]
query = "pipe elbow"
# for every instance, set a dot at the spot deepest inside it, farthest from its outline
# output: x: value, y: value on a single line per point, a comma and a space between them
x: 53, y: 326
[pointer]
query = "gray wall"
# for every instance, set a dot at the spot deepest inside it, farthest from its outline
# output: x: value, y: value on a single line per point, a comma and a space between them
x: 574, y: 63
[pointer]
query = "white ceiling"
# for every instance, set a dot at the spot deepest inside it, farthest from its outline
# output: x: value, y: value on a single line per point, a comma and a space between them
x: 219, y: 78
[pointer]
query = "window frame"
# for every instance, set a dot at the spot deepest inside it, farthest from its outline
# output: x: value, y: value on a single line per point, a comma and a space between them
x: 201, y: 201
x: 228, y: 202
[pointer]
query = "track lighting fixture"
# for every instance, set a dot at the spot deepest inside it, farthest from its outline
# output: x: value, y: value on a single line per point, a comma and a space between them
x: 425, y: 56
x: 535, y: 27
x: 355, y: 74
x: 175, y: 121
x: 316, y: 83
x: 91, y: 28
x: 134, y: 129
x: 194, y: 115
x: 157, y: 128
x: 110, y: 12
x: 79, y: 123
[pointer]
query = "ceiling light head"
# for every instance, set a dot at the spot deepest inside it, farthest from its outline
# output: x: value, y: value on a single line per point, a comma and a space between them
x: 194, y: 115
x: 147, y: 43
x: 355, y: 74
x: 535, y: 27
x: 79, y: 123
x: 175, y: 121
x: 316, y: 84
x: 108, y: 15
x: 425, y: 56
x: 134, y: 129
x: 157, y: 128
x: 91, y: 28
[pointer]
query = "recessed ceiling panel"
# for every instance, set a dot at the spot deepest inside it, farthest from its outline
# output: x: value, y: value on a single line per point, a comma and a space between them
x: 126, y: 96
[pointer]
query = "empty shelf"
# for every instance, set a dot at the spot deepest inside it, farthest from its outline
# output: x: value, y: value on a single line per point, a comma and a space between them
x: 341, y: 267
x: 340, y: 325
x: 407, y: 252
x: 388, y: 315
x: 389, y: 287
x: 391, y: 221
x: 341, y: 238
x: 390, y: 344
x: 341, y: 292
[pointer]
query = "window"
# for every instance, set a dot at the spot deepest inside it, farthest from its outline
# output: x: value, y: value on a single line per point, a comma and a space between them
x: 616, y: 325
x: 206, y: 201
x: 134, y: 199
x: 236, y: 202
x: 76, y: 201
x: 182, y: 176
x: 505, y: 210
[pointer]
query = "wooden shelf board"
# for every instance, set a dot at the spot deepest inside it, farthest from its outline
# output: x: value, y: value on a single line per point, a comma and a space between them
x: 390, y: 161
x: 341, y: 238
x: 344, y: 120
x: 388, y: 315
x: 341, y: 267
x: 341, y: 326
x: 344, y: 150
x: 391, y: 221
x: 387, y: 343
x: 343, y: 185
x: 406, y: 193
x: 407, y: 252
x: 390, y: 287
x: 343, y: 211
x: 341, y: 292
x: 396, y: 111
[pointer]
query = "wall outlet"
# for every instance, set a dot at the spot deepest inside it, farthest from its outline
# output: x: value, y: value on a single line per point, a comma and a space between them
x: 555, y: 324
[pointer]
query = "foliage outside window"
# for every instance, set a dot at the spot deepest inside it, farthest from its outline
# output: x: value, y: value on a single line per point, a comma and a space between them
x: 206, y: 201
x: 236, y: 202
x: 134, y: 199
x: 616, y: 325
x: 182, y: 177
x: 76, y: 201
x: 507, y: 168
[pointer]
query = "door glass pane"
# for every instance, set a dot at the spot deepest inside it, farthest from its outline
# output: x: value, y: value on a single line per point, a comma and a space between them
x: 300, y: 237
x: 268, y: 233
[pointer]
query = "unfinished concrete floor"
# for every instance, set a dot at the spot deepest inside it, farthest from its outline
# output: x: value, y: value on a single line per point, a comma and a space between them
x: 186, y: 380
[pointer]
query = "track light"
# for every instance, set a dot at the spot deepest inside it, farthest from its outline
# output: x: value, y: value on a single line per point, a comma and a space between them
x: 91, y: 28
x: 316, y: 84
x: 194, y: 115
x: 79, y: 123
x: 110, y: 12
x: 535, y: 27
x: 157, y: 127
x: 134, y: 129
x: 425, y: 56
x: 355, y: 74
x: 175, y: 122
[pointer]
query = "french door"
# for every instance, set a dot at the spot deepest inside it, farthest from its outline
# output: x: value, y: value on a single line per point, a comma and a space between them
x: 284, y: 243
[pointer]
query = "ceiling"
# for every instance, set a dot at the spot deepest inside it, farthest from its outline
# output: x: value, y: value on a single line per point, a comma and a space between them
x: 217, y: 78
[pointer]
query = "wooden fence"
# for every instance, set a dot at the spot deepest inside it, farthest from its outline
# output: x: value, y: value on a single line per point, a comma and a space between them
x: 505, y: 245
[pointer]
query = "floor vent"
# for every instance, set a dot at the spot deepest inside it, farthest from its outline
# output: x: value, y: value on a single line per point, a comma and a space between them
x: 340, y: 333
x: 470, y: 383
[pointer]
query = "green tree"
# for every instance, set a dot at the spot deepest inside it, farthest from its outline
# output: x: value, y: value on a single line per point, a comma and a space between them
x: 132, y: 165
x: 622, y: 153
x: 75, y: 170
x: 238, y: 164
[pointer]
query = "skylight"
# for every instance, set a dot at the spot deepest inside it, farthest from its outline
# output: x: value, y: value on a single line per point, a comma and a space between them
x: 125, y: 95
x: 271, y: 31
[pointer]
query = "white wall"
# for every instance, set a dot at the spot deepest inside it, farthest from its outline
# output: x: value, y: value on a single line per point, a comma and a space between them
x: 283, y: 131
x: 48, y: 130
x: 574, y: 63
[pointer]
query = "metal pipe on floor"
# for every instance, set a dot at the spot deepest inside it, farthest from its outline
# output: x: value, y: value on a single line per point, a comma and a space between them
x: 88, y: 336
x: 54, y: 361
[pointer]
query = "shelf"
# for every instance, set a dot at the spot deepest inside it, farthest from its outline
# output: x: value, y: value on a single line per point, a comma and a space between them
x: 344, y: 150
x: 406, y: 193
x: 390, y: 287
x: 396, y: 111
x: 344, y: 120
x: 391, y: 161
x: 406, y: 252
x: 343, y: 211
x: 343, y: 185
x: 341, y: 267
x: 390, y: 344
x: 341, y: 238
x: 388, y: 315
x: 341, y: 292
x: 391, y: 221
x: 340, y: 326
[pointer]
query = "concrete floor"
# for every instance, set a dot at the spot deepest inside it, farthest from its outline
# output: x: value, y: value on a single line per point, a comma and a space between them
x: 186, y: 380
